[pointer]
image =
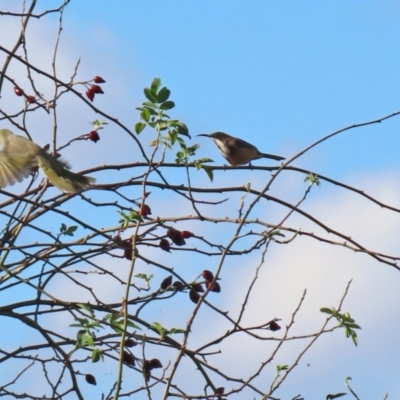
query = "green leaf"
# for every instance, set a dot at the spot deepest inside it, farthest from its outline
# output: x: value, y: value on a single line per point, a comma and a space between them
x: 335, y: 396
x: 145, y: 114
x: 155, y: 85
x: 150, y: 110
x: 150, y: 95
x: 134, y: 326
x: 139, y: 127
x: 97, y: 354
x: 177, y: 330
x: 280, y: 368
x: 167, y: 105
x: 209, y: 172
x: 329, y: 311
x: 203, y: 160
x: 163, y: 95
x: 180, y: 127
x: 149, y: 105
x: 87, y: 308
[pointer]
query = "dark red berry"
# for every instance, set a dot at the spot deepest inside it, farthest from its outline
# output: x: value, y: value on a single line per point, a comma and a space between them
x: 94, y: 136
x: 187, y: 234
x: 194, y: 296
x: 176, y: 236
x: 207, y: 275
x: 145, y: 210
x: 99, y: 79
x: 90, y: 379
x: 96, y: 89
x: 178, y: 285
x: 220, y: 391
x: 30, y: 99
x: 130, y: 343
x: 164, y: 244
x: 274, y: 326
x: 166, y: 283
x: 129, y: 358
x: 155, y: 363
x: 128, y: 254
x: 18, y: 91
x: 214, y: 287
x: 90, y: 94
x: 197, y: 287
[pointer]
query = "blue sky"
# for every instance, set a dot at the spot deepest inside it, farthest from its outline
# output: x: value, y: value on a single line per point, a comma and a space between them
x: 281, y: 75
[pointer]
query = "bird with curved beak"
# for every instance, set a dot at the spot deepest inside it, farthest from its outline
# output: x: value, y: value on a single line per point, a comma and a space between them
x: 237, y: 151
x: 19, y: 157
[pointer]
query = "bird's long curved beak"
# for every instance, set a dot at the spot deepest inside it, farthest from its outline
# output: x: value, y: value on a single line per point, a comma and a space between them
x: 204, y: 134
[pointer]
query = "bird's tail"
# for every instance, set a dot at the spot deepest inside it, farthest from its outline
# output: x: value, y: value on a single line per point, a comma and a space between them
x: 59, y: 176
x: 277, y: 158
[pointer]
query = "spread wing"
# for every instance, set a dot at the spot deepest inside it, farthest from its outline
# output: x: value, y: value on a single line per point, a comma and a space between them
x: 17, y: 160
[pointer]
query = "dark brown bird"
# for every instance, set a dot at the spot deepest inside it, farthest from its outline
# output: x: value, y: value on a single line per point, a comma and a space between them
x: 236, y: 151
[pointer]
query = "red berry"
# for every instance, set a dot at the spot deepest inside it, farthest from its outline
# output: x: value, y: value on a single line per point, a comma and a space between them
x: 176, y: 236
x: 18, y: 91
x: 178, y: 285
x: 214, y: 287
x: 145, y: 210
x: 274, y: 326
x: 30, y: 99
x: 197, y: 287
x: 96, y: 89
x: 155, y: 363
x: 207, y: 275
x: 94, y: 136
x: 90, y: 379
x: 99, y: 79
x: 220, y: 391
x: 166, y: 283
x: 164, y: 244
x: 130, y: 343
x: 187, y: 234
x: 90, y: 94
x: 129, y: 358
x: 194, y: 296
x: 128, y: 254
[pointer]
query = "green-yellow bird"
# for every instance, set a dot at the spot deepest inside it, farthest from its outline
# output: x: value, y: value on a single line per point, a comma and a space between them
x: 19, y: 157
